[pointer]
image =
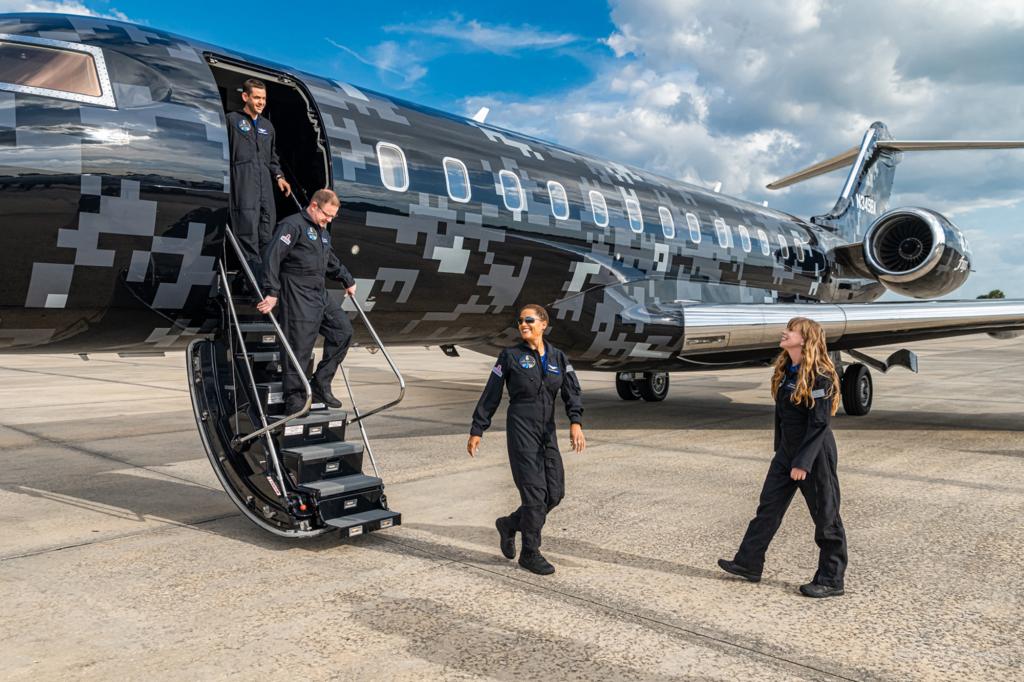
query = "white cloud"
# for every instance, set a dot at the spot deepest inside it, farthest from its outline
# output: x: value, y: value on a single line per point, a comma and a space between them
x: 497, y: 38
x: 745, y: 93
x: 390, y: 58
x: 71, y: 7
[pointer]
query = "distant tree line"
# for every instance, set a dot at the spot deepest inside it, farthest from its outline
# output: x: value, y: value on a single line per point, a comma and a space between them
x: 995, y: 293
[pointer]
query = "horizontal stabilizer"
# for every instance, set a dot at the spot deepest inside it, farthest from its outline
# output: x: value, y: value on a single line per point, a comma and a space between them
x: 850, y: 155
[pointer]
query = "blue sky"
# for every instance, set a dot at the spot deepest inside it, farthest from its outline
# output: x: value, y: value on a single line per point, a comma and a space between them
x: 700, y: 90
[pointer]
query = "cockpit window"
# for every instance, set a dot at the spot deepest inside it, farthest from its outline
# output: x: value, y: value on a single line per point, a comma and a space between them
x: 54, y: 68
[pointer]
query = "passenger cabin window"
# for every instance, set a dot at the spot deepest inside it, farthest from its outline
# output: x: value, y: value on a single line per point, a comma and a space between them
x: 694, y: 225
x: 784, y: 246
x: 393, y: 170
x: 559, y: 200
x: 723, y: 234
x: 744, y: 238
x: 636, y: 218
x: 798, y: 245
x: 55, y: 68
x: 457, y: 176
x: 668, y: 225
x: 598, y: 208
x: 511, y: 190
x: 762, y: 238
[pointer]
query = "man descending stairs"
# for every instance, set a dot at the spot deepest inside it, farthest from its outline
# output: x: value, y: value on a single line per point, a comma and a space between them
x: 293, y: 472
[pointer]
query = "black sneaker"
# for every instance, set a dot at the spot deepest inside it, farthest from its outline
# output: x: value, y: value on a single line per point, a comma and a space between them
x: 736, y: 569
x: 322, y: 394
x: 817, y: 591
x: 506, y: 537
x: 535, y: 563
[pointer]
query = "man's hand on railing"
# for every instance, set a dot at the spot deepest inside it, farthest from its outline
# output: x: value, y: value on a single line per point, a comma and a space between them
x: 351, y: 291
x: 267, y: 304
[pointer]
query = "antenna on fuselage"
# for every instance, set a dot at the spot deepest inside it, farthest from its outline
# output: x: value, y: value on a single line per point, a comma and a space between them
x: 481, y: 115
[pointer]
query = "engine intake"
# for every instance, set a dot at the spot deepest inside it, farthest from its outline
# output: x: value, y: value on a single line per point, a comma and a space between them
x: 917, y: 252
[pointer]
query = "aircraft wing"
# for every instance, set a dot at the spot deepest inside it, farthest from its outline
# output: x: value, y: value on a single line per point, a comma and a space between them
x: 745, y: 327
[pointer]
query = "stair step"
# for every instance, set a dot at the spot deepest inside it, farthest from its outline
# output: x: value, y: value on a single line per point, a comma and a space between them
x: 323, y: 462
x: 343, y: 485
x: 257, y: 327
x: 365, y: 522
x: 259, y: 334
x: 260, y: 356
x: 327, y: 425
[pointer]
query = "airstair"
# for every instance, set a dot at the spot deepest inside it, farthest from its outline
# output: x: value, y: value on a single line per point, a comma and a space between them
x: 294, y: 475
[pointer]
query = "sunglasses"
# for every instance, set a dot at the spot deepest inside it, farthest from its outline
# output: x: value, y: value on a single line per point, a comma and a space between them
x: 529, y: 319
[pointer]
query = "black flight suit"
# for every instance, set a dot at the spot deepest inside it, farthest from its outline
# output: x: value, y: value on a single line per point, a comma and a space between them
x: 254, y: 172
x: 294, y: 266
x: 803, y: 439
x: 530, y: 428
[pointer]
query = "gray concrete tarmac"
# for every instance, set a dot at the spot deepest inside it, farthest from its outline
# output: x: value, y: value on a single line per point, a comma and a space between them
x: 121, y: 558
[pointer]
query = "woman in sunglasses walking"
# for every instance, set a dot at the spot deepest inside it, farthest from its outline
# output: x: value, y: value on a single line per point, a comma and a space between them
x: 535, y: 373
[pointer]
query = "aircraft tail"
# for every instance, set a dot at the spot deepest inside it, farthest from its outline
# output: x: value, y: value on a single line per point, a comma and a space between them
x: 865, y: 195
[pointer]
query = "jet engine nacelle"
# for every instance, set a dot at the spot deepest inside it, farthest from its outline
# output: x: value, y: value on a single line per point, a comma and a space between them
x: 917, y: 252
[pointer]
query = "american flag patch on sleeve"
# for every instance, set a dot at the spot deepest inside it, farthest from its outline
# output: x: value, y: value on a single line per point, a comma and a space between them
x: 568, y: 368
x: 287, y: 238
x: 497, y: 370
x: 820, y: 393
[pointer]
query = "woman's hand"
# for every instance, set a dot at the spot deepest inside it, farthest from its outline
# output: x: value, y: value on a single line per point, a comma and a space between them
x: 473, y: 445
x: 797, y: 474
x: 576, y: 438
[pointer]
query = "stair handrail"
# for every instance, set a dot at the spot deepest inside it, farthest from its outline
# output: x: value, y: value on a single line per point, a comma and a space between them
x: 301, y: 371
x: 271, y: 448
x: 391, y: 363
x: 380, y: 344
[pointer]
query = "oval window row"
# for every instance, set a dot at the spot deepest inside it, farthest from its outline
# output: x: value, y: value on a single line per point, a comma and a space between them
x: 394, y: 173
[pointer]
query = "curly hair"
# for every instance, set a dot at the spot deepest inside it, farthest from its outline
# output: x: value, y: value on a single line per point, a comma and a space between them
x: 815, y: 362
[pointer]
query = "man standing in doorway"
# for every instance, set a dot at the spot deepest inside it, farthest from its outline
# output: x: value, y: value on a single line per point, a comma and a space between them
x: 295, y: 264
x: 255, y: 170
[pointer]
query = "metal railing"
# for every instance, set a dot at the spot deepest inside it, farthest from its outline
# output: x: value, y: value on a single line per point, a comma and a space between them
x: 271, y: 448
x: 240, y: 440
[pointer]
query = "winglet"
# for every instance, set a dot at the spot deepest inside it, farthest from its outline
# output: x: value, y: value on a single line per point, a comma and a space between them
x: 481, y: 115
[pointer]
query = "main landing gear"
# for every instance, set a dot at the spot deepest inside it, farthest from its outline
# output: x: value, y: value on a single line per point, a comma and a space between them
x: 651, y: 386
x: 857, y: 389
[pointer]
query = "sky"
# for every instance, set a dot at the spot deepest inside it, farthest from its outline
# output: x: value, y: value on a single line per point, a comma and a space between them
x: 704, y: 91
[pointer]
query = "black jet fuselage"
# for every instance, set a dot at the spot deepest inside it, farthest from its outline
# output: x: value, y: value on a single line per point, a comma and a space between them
x: 113, y: 215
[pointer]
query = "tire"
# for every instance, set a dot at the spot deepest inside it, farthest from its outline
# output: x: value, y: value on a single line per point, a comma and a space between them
x: 654, y: 386
x: 626, y: 388
x: 858, y: 390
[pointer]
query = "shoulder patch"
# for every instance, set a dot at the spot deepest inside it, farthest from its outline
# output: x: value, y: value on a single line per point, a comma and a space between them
x: 819, y: 393
x: 568, y: 368
x: 287, y: 238
x: 497, y: 370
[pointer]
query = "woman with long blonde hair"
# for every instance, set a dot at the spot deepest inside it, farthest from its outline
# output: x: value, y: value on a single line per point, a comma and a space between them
x: 805, y: 387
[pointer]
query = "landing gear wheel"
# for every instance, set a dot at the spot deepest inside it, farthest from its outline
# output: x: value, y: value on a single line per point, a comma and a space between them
x: 858, y: 390
x: 654, y: 386
x: 626, y: 388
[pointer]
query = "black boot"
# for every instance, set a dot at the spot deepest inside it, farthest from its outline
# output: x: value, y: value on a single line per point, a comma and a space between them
x: 736, y: 569
x: 820, y: 591
x: 535, y: 563
x: 506, y: 536
x: 293, y: 404
x: 322, y: 393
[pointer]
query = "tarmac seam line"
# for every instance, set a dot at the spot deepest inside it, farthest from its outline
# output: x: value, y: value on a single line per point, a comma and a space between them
x: 630, y: 614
